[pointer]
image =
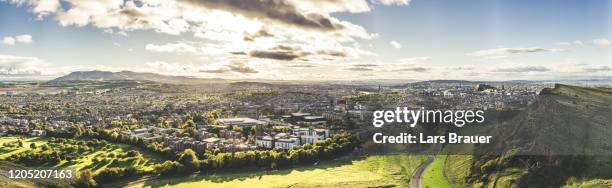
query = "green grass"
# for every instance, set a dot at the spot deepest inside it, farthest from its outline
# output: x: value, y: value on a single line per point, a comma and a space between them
x: 6, y: 182
x: 373, y: 171
x: 6, y: 152
x: 588, y: 183
x: 433, y: 176
x: 85, y: 161
x: 457, y: 169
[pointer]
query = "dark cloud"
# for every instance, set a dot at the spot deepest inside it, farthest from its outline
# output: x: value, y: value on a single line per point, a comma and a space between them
x: 278, y: 55
x: 260, y: 34
x: 135, y: 16
x: 288, y: 53
x: 523, y: 69
x: 241, y: 68
x: 360, y: 69
x: 332, y: 53
x: 276, y: 10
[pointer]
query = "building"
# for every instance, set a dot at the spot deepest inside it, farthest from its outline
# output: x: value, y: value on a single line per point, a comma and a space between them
x: 38, y: 133
x: 264, y: 142
x: 229, y: 134
x: 311, y: 135
x: 286, y: 143
x: 240, y: 121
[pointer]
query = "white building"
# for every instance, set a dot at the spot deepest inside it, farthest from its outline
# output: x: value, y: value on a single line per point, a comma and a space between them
x: 264, y: 142
x: 286, y: 143
x: 240, y: 121
x: 311, y: 135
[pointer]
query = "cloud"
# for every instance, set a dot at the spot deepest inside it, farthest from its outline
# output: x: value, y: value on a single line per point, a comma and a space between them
x: 603, y: 42
x: 415, y: 59
x: 396, y: 44
x: 505, y: 52
x: 262, y: 33
x: 241, y: 68
x: 10, y: 40
x: 40, y: 7
x: 413, y: 69
x: 23, y: 38
x: 597, y: 69
x: 276, y: 54
x: 521, y: 69
x: 302, y: 66
x: 393, y: 2
x: 288, y: 53
x: 460, y: 68
x: 170, y: 68
x: 365, y: 65
x: 21, y: 66
x: 576, y: 42
x: 225, y: 26
x: 331, y: 6
x: 172, y: 47
x: 275, y: 10
x: 235, y: 66
x: 581, y: 68
x: 359, y: 69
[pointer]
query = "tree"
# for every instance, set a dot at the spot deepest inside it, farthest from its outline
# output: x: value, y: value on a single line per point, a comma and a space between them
x: 189, y: 160
x: 169, y: 168
x: 85, y: 179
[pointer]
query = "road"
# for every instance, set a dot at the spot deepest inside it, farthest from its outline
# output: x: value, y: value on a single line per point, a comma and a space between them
x: 415, y: 181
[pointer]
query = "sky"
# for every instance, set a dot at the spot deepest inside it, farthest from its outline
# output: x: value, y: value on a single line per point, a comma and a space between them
x: 309, y: 39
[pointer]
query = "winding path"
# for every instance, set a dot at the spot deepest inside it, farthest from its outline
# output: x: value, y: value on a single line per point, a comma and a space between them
x: 415, y: 181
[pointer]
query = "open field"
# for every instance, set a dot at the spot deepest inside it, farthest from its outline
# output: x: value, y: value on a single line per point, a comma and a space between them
x: 434, y: 175
x: 373, y: 171
x: 6, y: 152
x: 86, y: 160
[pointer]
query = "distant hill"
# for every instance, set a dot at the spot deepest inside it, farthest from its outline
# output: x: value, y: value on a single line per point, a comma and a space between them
x: 129, y: 75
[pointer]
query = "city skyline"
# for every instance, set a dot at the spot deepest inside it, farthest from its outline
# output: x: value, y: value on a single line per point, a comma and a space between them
x: 308, y: 40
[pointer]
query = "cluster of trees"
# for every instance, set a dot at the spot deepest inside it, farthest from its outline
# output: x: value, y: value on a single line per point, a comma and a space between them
x: 113, y: 135
x: 188, y: 160
x: 183, y: 162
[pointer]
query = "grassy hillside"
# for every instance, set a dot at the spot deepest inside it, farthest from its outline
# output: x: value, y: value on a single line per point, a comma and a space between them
x: 83, y: 160
x: 373, y: 171
x: 8, y: 183
x: 564, y: 133
x: 434, y: 175
x: 457, y: 169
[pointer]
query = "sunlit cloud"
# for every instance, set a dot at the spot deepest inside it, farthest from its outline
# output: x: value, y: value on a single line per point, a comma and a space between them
x: 505, y: 52
x: 603, y: 42
x: 395, y: 44
x: 12, y: 40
